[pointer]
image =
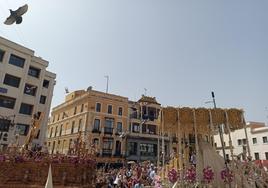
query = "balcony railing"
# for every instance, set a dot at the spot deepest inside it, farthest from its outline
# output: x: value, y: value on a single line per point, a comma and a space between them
x: 106, y: 152
x: 108, y: 130
x: 96, y: 131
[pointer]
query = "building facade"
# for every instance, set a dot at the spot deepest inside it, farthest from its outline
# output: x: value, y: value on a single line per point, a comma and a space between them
x: 144, y: 141
x: 26, y: 88
x: 257, y: 137
x: 98, y: 118
x: 110, y: 124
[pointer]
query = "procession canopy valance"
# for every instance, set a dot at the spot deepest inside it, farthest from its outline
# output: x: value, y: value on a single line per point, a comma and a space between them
x: 173, y: 117
x: 170, y: 118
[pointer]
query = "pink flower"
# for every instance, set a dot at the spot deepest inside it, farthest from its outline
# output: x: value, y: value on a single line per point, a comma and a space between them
x: 208, y: 174
x: 227, y: 175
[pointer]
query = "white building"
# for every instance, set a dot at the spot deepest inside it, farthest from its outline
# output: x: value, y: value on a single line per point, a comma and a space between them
x: 257, y: 137
x: 26, y: 88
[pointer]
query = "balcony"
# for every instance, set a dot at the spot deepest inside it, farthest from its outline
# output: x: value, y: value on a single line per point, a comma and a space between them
x: 106, y: 152
x: 108, y: 130
x: 96, y: 131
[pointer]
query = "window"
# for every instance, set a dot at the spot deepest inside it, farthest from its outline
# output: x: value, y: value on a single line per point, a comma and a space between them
x: 98, y: 107
x: 26, y: 109
x: 109, y: 126
x: 4, y: 125
x: 75, y: 108
x: 51, y: 131
x: 107, y: 143
x: 107, y: 146
x: 72, y: 130
x: 34, y: 72
x: 82, y: 108
x: 244, y: 141
x: 45, y: 83
x: 110, y: 109
x: 30, y: 89
x: 12, y: 80
x: 239, y: 142
x: 7, y: 102
x: 95, y: 141
x: 120, y: 111
x: 264, y: 139
x: 96, y: 125
x: 61, y: 126
x: 132, y: 148
x: 119, y: 127
x: 254, y: 140
x: 151, y: 129
x: 148, y: 149
x: 43, y: 101
x: 56, y: 131
x: 257, y: 157
x: 266, y: 155
x: 79, y: 125
x: 2, y: 53
x: 16, y: 60
x: 135, y: 128
x: 22, y: 129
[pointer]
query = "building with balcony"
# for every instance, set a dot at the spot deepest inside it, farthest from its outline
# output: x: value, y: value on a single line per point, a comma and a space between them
x: 115, y: 126
x: 99, y: 118
x: 144, y: 141
x: 258, y: 142
x: 26, y: 88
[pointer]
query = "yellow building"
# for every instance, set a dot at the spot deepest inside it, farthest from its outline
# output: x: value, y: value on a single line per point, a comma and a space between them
x: 100, y: 118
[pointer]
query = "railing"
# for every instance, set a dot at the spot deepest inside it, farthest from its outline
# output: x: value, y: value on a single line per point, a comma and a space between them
x: 96, y: 131
x: 106, y: 152
x: 108, y: 130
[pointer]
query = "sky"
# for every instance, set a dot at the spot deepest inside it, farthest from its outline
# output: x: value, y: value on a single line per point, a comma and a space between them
x: 179, y: 50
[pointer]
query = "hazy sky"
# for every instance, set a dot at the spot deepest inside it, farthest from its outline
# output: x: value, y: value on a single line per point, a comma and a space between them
x: 179, y: 50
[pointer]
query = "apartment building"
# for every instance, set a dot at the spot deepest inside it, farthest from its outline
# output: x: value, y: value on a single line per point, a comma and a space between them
x: 99, y: 118
x: 26, y: 88
x: 257, y: 137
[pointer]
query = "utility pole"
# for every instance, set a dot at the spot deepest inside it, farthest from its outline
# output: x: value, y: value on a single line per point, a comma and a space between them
x: 107, y: 83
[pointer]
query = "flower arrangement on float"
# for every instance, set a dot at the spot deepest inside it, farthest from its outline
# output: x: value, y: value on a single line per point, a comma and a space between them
x: 208, y: 175
x: 227, y: 175
x: 190, y: 175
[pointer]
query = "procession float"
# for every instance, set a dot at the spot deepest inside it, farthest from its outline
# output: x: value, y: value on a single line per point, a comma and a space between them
x: 194, y: 129
x: 25, y: 167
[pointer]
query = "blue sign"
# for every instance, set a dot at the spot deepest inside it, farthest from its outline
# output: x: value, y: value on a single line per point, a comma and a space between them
x: 3, y: 90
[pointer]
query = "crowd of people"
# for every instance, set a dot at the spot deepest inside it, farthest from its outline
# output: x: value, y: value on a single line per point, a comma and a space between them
x: 135, y: 175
